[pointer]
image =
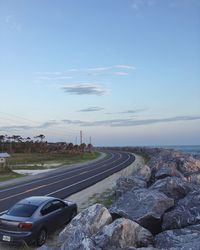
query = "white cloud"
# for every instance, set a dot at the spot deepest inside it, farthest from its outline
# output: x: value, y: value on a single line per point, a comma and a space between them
x: 120, y: 73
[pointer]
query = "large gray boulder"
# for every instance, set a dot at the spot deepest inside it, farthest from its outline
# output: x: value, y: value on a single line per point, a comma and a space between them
x: 184, y: 239
x: 143, y: 206
x: 174, y: 187
x: 78, y: 240
x: 195, y: 178
x: 76, y: 235
x: 185, y: 213
x: 125, y: 184
x: 122, y: 233
x: 188, y: 165
x: 164, y: 172
x: 144, y: 173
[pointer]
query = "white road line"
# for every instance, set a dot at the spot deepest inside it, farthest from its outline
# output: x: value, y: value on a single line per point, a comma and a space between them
x: 27, y: 191
x: 48, y: 178
x: 87, y: 178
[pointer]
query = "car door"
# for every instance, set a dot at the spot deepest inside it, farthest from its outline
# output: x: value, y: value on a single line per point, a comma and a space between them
x: 55, y: 214
x: 50, y: 216
x: 62, y: 211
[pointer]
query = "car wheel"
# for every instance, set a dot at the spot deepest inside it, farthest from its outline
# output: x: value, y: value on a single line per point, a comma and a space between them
x: 41, y: 238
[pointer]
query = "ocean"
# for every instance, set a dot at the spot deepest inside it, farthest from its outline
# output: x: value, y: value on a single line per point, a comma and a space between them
x: 195, y: 149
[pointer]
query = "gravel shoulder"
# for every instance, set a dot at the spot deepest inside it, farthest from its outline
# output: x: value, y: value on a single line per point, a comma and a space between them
x: 84, y: 197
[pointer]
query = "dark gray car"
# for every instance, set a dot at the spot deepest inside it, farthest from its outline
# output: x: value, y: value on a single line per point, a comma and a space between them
x: 31, y: 219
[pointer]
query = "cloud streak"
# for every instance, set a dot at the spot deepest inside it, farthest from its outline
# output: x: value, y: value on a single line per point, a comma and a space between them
x: 85, y: 89
x: 131, y: 122
x: 109, y: 123
x: 91, y: 109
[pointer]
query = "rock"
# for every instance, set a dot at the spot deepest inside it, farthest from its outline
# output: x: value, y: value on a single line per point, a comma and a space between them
x: 188, y: 165
x: 125, y: 184
x: 143, y: 206
x: 185, y: 213
x: 122, y: 233
x: 164, y: 172
x: 147, y: 248
x: 78, y: 240
x: 185, y: 239
x: 144, y: 173
x: 77, y: 233
x: 174, y: 187
x: 45, y: 247
x: 195, y: 178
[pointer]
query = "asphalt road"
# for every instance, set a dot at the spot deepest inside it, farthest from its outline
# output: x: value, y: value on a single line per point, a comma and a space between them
x: 63, y: 183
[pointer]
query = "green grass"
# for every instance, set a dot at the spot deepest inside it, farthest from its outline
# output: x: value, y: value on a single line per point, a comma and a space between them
x: 145, y: 156
x: 38, y: 160
x: 22, y: 161
x: 8, y: 175
x: 106, y: 198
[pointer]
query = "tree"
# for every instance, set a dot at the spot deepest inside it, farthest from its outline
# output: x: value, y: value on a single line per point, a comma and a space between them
x: 2, y: 138
x: 90, y: 147
x: 41, y: 137
x: 82, y: 147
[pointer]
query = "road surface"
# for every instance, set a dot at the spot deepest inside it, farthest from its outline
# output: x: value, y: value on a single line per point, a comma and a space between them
x: 67, y: 181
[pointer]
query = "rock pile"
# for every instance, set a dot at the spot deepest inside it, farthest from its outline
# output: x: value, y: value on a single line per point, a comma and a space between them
x: 156, y: 208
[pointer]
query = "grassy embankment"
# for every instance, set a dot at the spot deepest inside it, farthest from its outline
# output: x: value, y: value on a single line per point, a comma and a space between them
x: 43, y: 161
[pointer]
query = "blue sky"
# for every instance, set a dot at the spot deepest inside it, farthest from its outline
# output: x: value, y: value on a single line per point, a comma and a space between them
x: 125, y: 72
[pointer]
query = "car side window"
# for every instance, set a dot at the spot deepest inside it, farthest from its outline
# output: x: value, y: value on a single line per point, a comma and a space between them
x: 46, y: 209
x: 52, y: 206
x: 58, y: 204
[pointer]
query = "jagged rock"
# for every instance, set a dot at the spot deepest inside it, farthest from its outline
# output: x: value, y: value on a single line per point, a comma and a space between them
x: 185, y: 213
x: 195, y: 178
x: 144, y: 173
x: 174, y: 187
x: 45, y: 247
x: 184, y: 239
x: 78, y: 240
x: 143, y: 206
x: 147, y: 248
x: 122, y: 233
x: 164, y: 172
x: 188, y: 165
x: 85, y: 224
x: 125, y: 184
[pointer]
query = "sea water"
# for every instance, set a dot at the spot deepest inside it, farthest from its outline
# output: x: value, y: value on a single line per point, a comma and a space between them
x: 191, y: 149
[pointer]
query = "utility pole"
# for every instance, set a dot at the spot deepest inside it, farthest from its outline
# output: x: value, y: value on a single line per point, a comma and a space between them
x: 81, y: 137
x: 90, y: 140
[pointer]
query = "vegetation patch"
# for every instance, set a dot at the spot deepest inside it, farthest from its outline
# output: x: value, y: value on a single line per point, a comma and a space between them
x: 8, y: 174
x: 106, y: 198
x: 48, y: 160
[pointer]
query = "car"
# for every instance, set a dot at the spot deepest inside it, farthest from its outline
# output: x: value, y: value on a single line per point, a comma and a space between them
x: 32, y: 219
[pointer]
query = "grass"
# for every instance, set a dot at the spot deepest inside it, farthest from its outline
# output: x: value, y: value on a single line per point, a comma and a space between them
x: 42, y: 160
x: 8, y: 175
x: 36, y: 161
x: 106, y: 198
x: 145, y: 156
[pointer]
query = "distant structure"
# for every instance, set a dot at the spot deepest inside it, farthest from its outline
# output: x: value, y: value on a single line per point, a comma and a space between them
x: 3, y: 160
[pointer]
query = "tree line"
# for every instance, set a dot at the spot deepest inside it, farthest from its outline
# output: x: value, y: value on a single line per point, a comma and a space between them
x: 38, y: 144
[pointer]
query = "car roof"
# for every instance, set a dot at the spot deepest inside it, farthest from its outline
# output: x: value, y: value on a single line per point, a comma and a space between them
x: 37, y: 200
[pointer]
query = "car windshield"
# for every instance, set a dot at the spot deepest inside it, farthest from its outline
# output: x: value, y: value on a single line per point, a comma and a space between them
x: 22, y: 210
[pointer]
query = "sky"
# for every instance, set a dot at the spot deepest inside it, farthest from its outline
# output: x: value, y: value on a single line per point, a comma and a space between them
x: 124, y: 72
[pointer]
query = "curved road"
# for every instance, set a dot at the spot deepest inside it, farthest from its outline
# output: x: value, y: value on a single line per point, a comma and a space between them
x: 63, y: 183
